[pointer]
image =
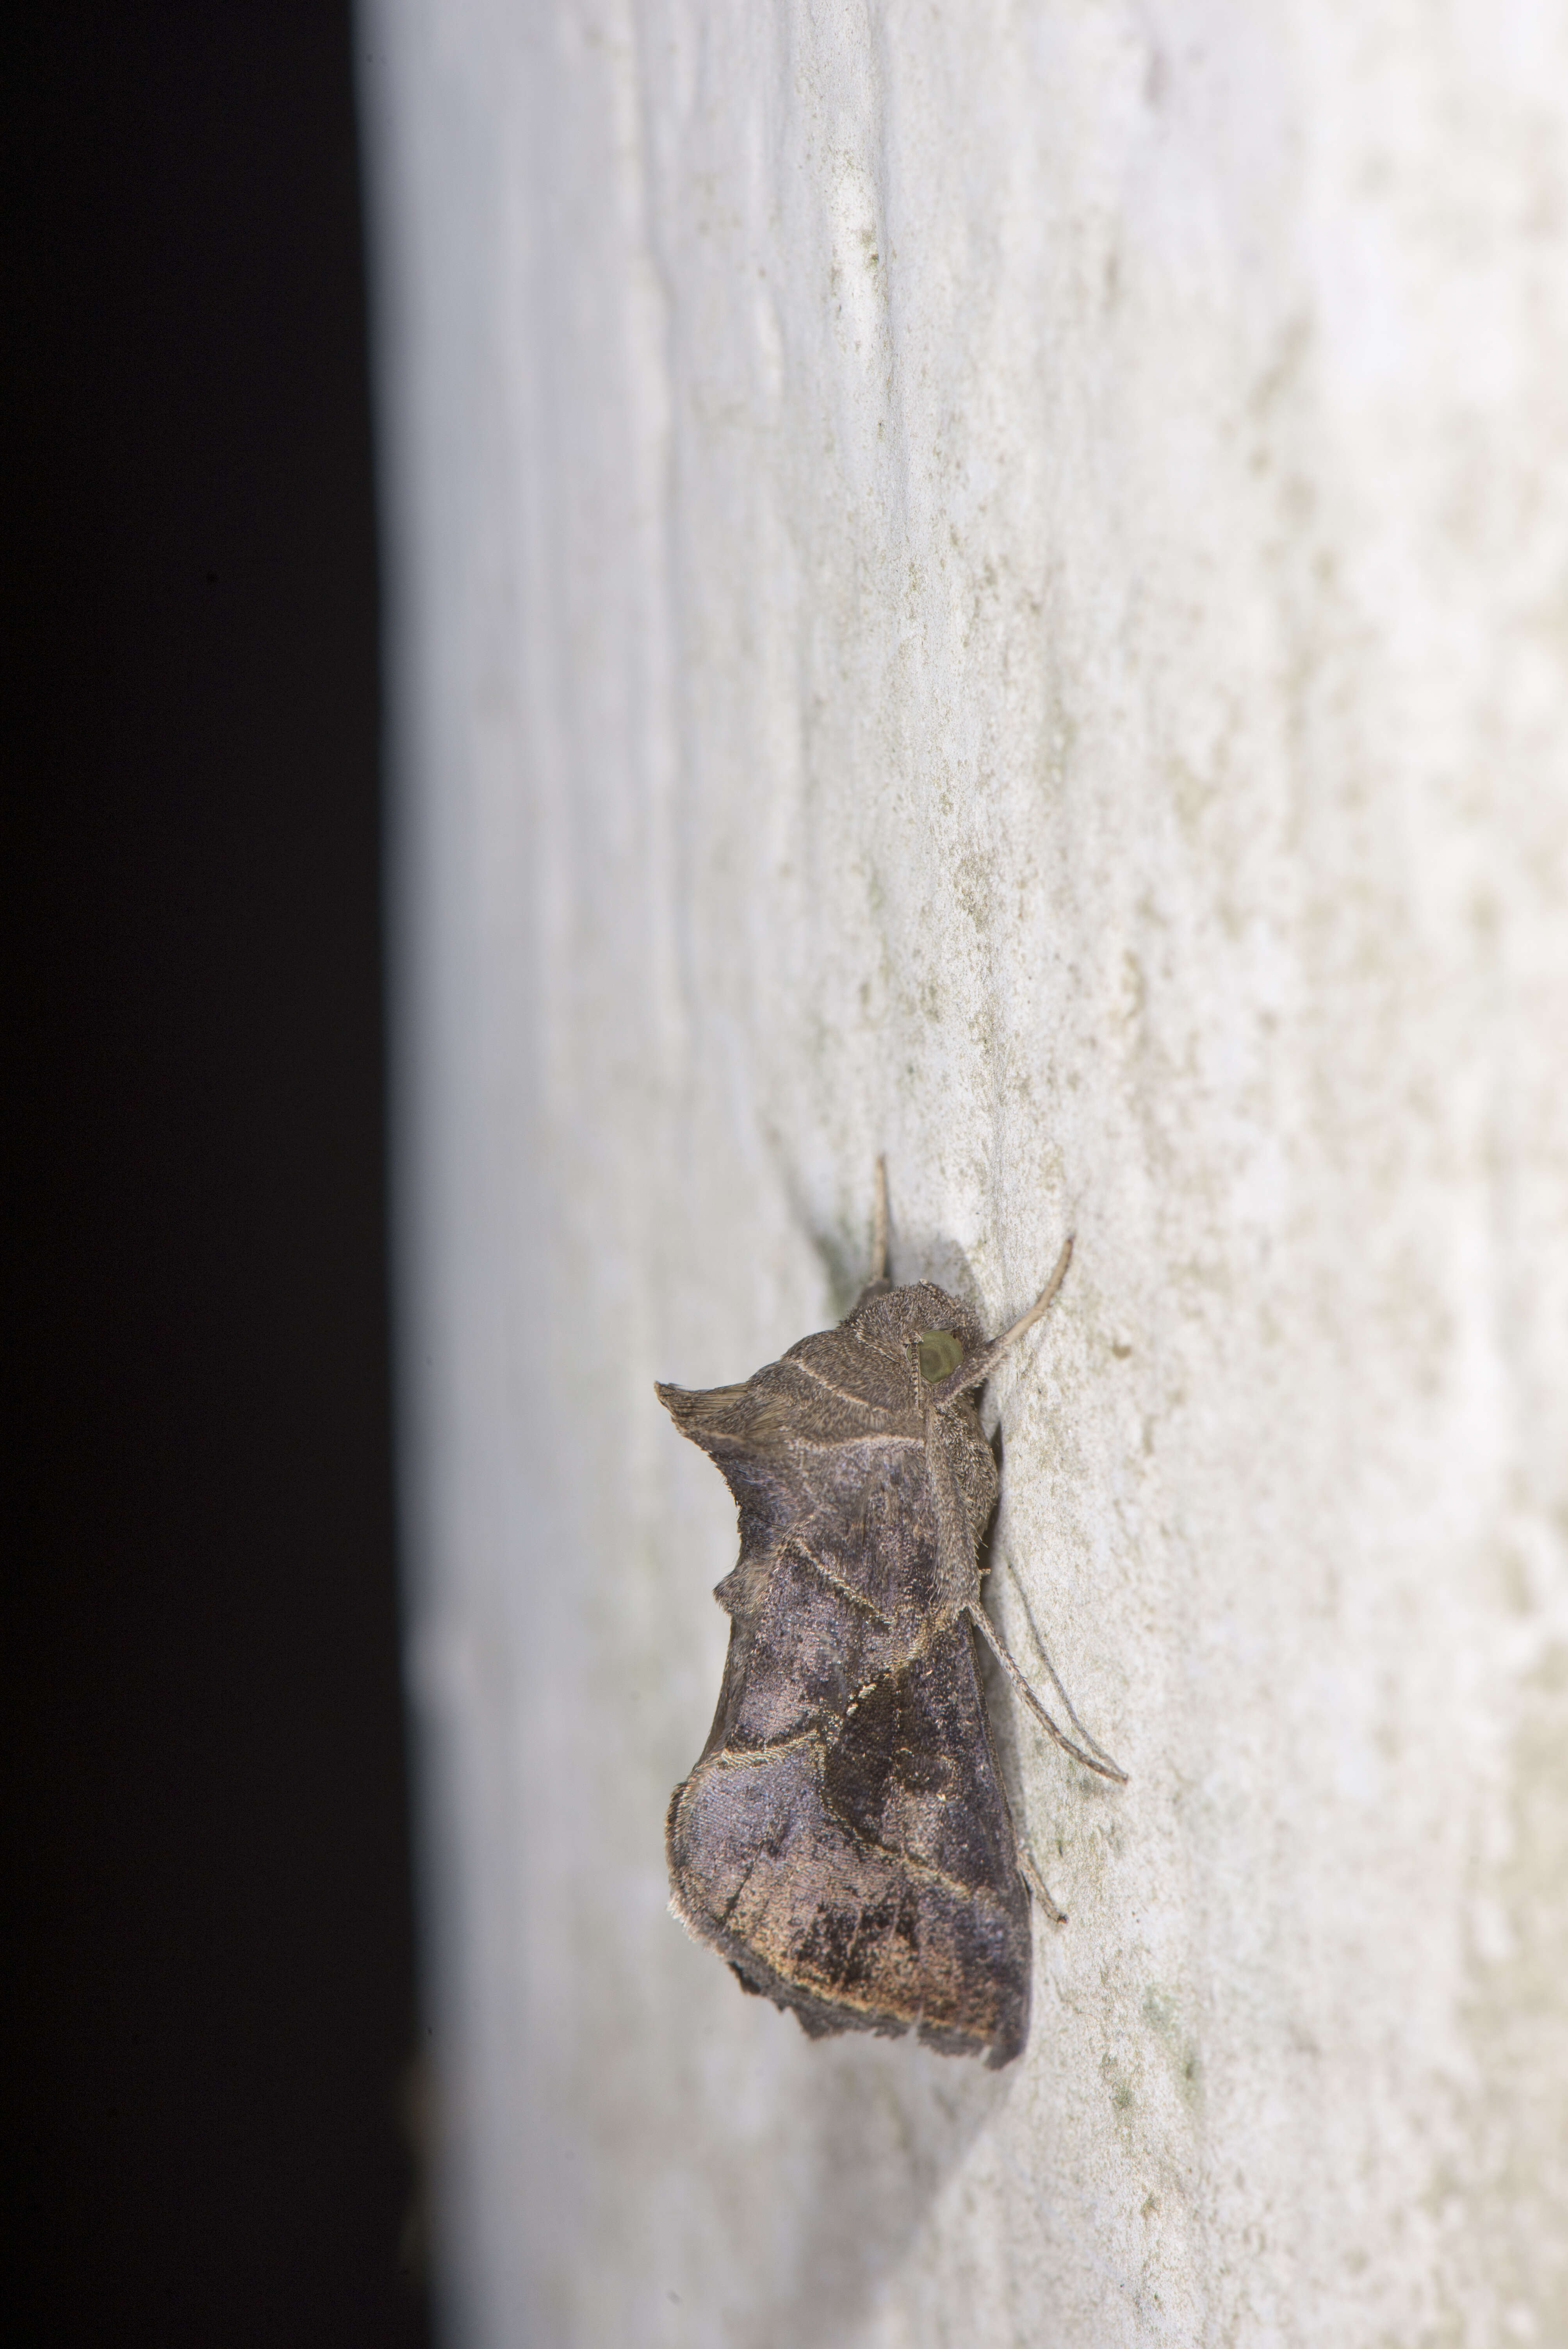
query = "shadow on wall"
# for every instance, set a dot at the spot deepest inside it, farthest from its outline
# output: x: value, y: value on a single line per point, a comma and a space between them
x: 845, y: 1252
x: 877, y: 2132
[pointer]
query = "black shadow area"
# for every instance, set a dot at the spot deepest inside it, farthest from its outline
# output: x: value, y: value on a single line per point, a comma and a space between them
x: 208, y: 1931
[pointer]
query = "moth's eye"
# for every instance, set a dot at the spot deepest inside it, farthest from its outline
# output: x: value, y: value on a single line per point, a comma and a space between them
x: 940, y: 1352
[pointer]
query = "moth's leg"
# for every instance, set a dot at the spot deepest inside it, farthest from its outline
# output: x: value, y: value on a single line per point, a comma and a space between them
x: 958, y: 1575
x: 976, y: 1371
x: 1036, y: 1883
x: 998, y: 1647
x: 1091, y: 1742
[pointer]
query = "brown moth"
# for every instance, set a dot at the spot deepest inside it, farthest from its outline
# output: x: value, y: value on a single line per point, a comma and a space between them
x: 844, y: 1839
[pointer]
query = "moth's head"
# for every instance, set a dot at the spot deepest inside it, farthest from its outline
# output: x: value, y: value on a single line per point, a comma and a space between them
x: 920, y: 1319
x: 937, y: 1352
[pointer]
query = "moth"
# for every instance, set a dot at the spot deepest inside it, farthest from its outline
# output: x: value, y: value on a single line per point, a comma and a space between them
x: 844, y: 1839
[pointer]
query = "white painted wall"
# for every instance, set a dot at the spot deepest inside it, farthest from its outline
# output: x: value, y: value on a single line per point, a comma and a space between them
x: 991, y: 582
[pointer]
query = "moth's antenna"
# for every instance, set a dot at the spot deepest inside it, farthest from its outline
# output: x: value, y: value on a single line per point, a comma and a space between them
x: 879, y: 1226
x: 1103, y: 1768
x: 975, y: 1372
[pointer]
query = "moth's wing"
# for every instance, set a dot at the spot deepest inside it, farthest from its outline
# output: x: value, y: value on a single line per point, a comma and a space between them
x: 914, y: 1771
x: 891, y: 1900
x: 746, y: 1431
x: 824, y: 1589
x: 800, y: 1647
x: 869, y: 1882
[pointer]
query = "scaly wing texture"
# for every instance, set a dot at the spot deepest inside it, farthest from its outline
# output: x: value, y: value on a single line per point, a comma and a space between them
x: 866, y: 1877
x: 844, y: 1839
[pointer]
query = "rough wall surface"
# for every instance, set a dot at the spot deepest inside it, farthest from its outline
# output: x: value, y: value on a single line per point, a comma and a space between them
x: 991, y: 583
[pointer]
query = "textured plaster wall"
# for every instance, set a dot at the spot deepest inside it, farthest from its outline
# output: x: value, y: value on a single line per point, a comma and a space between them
x: 991, y: 583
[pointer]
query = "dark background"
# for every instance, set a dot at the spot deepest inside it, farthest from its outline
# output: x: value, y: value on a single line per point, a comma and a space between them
x: 209, y: 1932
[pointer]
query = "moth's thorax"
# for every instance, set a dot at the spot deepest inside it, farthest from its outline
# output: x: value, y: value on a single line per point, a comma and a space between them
x: 807, y: 1439
x: 876, y: 1353
x: 876, y: 1356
